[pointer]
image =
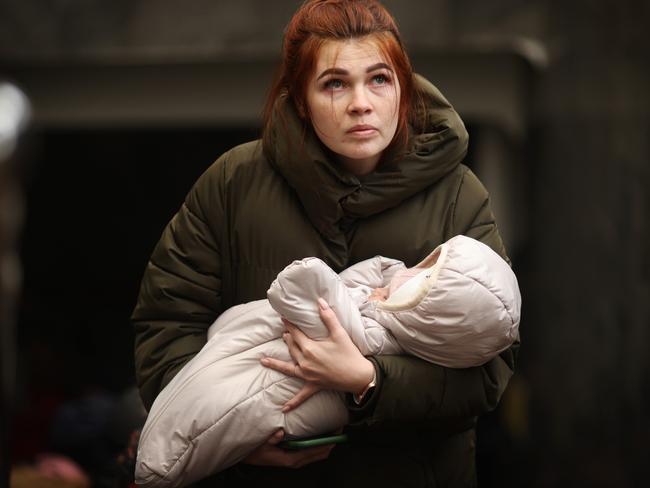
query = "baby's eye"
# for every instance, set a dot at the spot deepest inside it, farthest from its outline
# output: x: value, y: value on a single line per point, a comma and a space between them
x: 334, y: 84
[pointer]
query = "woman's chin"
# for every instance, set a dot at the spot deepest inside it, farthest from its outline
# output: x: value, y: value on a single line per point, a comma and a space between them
x: 360, y: 164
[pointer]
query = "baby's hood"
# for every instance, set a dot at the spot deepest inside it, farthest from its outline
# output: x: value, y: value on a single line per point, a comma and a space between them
x: 461, y: 310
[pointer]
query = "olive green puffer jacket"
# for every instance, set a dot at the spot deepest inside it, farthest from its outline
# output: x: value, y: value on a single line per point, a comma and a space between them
x: 254, y: 211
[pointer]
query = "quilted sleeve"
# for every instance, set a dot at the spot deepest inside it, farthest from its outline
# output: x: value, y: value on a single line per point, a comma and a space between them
x: 370, y: 273
x: 411, y: 389
x: 294, y: 296
x: 180, y: 292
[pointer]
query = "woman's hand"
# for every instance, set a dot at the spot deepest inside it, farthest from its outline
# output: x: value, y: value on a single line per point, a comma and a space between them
x: 269, y: 454
x: 332, y: 363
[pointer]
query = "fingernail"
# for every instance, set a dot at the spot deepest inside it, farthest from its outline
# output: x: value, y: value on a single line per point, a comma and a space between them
x: 264, y: 361
x: 286, y: 408
x: 323, y: 304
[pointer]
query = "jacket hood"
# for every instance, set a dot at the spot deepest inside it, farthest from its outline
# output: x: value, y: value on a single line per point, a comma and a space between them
x: 331, y: 195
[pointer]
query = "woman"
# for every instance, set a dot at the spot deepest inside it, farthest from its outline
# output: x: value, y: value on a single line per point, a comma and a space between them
x: 357, y: 152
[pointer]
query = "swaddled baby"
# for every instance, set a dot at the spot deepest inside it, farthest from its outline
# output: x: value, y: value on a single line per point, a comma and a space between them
x: 458, y: 308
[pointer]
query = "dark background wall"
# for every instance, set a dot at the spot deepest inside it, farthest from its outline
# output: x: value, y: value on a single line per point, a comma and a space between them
x: 564, y: 150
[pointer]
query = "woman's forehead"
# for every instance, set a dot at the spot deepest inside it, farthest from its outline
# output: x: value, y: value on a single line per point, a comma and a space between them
x: 349, y: 54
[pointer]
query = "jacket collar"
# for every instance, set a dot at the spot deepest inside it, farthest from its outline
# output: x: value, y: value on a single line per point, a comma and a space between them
x: 332, y: 196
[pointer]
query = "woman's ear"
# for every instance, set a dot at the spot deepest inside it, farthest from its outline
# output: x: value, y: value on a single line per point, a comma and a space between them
x: 300, y: 107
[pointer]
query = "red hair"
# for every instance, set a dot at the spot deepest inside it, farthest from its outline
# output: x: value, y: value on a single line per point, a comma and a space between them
x: 318, y: 21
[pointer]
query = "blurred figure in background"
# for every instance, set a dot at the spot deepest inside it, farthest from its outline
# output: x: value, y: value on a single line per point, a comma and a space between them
x: 14, y: 115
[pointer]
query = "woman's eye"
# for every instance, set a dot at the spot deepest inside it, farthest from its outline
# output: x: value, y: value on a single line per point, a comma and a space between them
x: 380, y: 79
x: 334, y: 84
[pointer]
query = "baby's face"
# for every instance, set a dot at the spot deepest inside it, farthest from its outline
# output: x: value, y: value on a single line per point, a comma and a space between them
x: 398, y: 280
x: 380, y: 294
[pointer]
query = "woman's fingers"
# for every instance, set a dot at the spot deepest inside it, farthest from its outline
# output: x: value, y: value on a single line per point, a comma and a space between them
x: 313, y: 455
x: 298, y: 459
x: 290, y: 369
x: 307, y: 391
x: 332, y: 362
x: 298, y: 336
x: 277, y: 436
x: 268, y: 454
x: 294, y: 349
x: 328, y: 317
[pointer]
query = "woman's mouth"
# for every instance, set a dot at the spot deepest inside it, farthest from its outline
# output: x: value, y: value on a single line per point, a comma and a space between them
x: 362, y: 130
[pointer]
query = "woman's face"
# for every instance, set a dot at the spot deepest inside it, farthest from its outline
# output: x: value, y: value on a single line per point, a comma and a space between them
x: 353, y: 99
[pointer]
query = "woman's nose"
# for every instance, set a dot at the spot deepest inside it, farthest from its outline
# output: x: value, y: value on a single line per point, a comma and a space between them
x: 359, y: 104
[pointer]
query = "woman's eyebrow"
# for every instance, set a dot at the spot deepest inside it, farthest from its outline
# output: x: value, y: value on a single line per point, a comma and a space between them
x: 333, y: 71
x: 378, y: 66
x: 344, y: 72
